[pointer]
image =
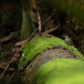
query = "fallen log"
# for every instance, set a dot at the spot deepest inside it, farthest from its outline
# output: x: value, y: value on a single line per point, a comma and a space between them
x: 47, y: 59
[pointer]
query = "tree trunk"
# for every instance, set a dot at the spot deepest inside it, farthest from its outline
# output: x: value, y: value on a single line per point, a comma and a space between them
x: 27, y: 25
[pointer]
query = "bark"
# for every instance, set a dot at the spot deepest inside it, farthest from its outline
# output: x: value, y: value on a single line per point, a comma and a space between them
x: 46, y: 56
x: 27, y: 25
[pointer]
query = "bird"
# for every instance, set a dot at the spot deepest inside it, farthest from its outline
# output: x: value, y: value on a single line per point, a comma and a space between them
x: 68, y: 41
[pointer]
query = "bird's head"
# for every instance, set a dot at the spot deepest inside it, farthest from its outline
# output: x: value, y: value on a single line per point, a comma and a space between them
x: 66, y: 36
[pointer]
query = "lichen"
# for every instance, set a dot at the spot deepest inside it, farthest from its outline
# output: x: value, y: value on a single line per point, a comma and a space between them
x: 36, y: 46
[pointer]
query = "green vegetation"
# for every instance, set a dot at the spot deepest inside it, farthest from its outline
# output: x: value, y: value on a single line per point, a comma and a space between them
x: 36, y: 46
x: 61, y: 71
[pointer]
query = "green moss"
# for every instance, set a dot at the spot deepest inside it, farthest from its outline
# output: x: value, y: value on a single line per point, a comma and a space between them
x: 61, y: 71
x: 36, y: 46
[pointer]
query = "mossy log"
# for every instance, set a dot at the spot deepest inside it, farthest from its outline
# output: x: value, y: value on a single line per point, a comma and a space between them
x: 49, y: 60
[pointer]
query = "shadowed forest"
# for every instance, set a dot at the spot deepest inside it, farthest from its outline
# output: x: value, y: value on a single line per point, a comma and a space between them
x: 41, y: 41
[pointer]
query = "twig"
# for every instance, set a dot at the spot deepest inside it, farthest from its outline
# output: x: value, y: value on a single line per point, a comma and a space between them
x: 72, y: 33
x: 25, y: 41
x: 39, y: 19
x: 3, y: 64
x: 11, y: 69
x: 48, y: 18
x: 49, y: 31
x: 6, y: 38
x: 47, y: 25
x: 8, y: 65
x: 46, y: 32
x: 11, y: 78
x: 39, y: 22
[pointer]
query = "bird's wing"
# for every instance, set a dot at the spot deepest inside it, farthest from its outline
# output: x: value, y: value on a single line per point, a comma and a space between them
x: 71, y: 42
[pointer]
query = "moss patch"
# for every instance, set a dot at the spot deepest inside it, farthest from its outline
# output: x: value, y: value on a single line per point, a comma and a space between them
x: 36, y: 46
x: 61, y: 71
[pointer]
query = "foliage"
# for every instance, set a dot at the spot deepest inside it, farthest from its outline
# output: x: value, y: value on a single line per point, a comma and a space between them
x: 38, y: 45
